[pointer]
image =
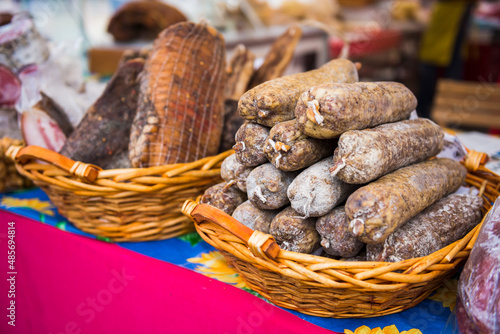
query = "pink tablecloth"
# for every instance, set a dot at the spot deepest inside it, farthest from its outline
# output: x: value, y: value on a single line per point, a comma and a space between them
x: 65, y: 283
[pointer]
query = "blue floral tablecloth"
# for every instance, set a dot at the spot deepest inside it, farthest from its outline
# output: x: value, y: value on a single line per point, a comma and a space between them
x: 191, y: 252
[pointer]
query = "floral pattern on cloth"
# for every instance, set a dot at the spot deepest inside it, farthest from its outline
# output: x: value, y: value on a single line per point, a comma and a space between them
x: 447, y: 293
x: 214, y: 265
x: 44, y: 207
x: 386, y: 330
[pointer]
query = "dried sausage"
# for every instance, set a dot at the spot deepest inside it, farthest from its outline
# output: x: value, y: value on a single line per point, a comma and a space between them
x: 224, y: 196
x: 267, y: 186
x: 442, y: 223
x: 294, y: 233
x: 288, y: 149
x: 274, y: 101
x: 314, y: 192
x: 365, y: 155
x: 250, y: 140
x: 336, y: 239
x: 253, y: 217
x: 231, y: 170
x: 328, y: 110
x: 377, y: 209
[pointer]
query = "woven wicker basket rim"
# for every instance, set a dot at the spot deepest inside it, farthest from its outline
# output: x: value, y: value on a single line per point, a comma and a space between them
x: 359, y: 275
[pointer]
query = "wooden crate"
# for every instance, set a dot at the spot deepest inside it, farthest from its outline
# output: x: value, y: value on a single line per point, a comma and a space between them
x: 466, y: 103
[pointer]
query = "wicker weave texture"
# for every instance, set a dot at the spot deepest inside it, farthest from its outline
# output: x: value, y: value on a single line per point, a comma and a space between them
x: 341, y: 289
x: 136, y: 204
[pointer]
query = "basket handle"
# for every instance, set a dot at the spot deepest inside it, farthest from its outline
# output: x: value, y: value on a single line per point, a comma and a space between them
x: 21, y: 154
x: 259, y: 243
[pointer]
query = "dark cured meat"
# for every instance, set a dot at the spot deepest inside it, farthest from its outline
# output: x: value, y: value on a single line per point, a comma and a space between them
x: 224, y: 196
x: 365, y: 155
x: 250, y: 141
x: 336, y: 239
x: 181, y: 113
x: 442, y: 223
x: 278, y: 57
x: 105, y: 129
x: 379, y: 208
x: 288, y: 149
x: 274, y: 101
x: 294, y: 233
x: 232, y: 123
x: 328, y: 110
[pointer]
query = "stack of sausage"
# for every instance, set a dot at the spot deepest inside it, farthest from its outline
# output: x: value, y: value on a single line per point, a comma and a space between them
x: 331, y: 166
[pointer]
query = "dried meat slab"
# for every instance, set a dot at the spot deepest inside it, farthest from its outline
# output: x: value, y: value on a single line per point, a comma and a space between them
x: 180, y: 113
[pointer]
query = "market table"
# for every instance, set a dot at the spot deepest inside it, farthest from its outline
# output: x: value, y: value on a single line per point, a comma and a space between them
x: 66, y: 281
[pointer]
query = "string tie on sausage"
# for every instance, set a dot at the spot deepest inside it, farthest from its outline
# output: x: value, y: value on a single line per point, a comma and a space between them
x: 260, y: 195
x: 337, y: 167
x: 357, y: 226
x: 313, y: 112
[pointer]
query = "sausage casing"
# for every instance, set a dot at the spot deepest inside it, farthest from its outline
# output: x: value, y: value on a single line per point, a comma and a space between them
x: 442, y: 223
x: 328, y: 110
x: 314, y: 192
x: 253, y: 217
x: 365, y: 155
x: 336, y: 238
x: 377, y: 209
x: 267, y: 186
x: 288, y: 149
x: 250, y: 141
x: 294, y: 233
x: 274, y: 101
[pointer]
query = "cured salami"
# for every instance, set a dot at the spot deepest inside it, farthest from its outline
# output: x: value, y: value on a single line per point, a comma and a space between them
x: 365, y: 155
x: 377, y: 209
x: 442, y: 223
x: 294, y: 233
x: 288, y: 149
x: 336, y: 239
x: 314, y: 192
x: 328, y: 110
x: 274, y: 101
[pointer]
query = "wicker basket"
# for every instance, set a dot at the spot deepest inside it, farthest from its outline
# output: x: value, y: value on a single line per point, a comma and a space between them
x: 10, y: 179
x: 329, y: 288
x: 136, y: 204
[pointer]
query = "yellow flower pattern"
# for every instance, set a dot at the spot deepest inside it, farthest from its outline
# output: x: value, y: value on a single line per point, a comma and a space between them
x: 44, y: 207
x: 214, y: 265
x: 447, y: 294
x: 386, y: 330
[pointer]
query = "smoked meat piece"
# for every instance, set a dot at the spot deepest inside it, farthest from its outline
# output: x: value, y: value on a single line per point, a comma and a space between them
x: 336, y: 239
x: 224, y: 196
x: 142, y: 20
x: 180, y: 113
x: 104, y: 131
x: 294, y: 233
